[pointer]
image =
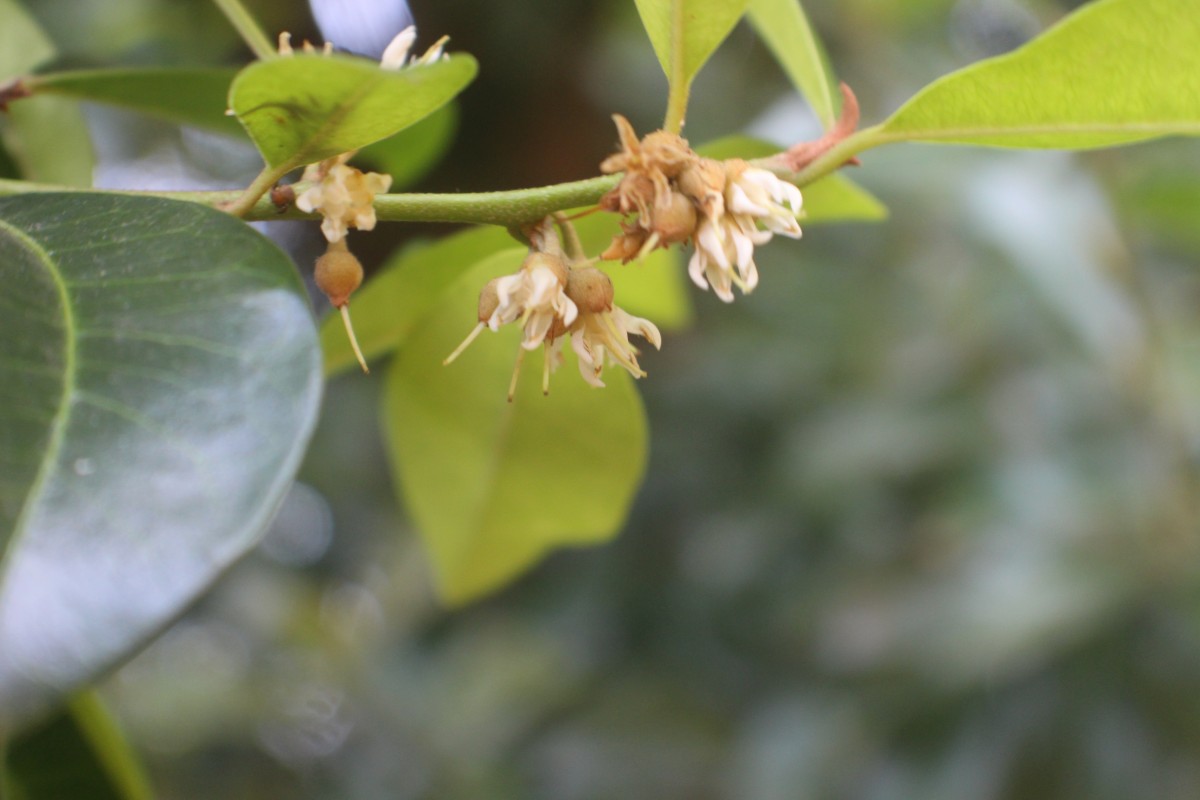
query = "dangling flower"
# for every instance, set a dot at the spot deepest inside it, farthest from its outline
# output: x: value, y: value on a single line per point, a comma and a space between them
x: 601, y: 334
x: 344, y: 196
x: 536, y: 297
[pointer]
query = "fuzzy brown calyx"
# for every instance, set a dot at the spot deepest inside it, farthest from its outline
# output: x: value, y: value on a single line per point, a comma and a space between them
x: 590, y: 289
x: 338, y: 274
x: 538, y: 260
x: 489, y: 300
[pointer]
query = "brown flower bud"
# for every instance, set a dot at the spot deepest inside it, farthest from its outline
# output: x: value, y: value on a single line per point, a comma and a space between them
x: 704, y: 182
x: 338, y: 273
x: 590, y: 289
x: 676, y: 222
x: 668, y: 152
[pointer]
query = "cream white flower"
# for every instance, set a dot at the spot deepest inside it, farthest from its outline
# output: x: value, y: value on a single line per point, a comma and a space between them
x: 396, y: 56
x: 344, y: 196
x: 724, y: 255
x: 600, y: 337
x: 536, y: 295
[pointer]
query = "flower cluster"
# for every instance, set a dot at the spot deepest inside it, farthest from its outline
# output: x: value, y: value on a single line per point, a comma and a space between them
x: 672, y: 195
x: 343, y: 195
x: 551, y: 298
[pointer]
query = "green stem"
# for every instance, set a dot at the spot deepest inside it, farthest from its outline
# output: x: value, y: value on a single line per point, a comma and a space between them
x: 248, y: 27
x: 677, y: 103
x: 266, y: 179
x: 480, y: 208
x: 681, y: 85
x: 835, y: 157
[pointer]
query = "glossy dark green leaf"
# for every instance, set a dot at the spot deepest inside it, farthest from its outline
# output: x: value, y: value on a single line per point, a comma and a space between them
x: 1113, y: 72
x: 392, y: 302
x: 785, y: 28
x: 158, y: 384
x: 834, y: 198
x: 23, y: 44
x: 192, y: 96
x: 493, y: 485
x: 303, y: 109
x: 78, y: 753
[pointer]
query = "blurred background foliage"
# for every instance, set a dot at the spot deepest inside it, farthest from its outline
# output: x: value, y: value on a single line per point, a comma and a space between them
x: 920, y: 520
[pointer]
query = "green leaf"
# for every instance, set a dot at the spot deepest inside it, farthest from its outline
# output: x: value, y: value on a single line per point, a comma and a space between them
x: 158, y: 385
x: 686, y: 32
x: 23, y: 45
x: 184, y: 96
x: 783, y: 25
x: 1113, y: 72
x: 304, y: 109
x: 48, y: 139
x: 834, y: 198
x: 655, y: 287
x: 390, y: 305
x: 409, y: 155
x: 492, y: 485
x: 79, y: 753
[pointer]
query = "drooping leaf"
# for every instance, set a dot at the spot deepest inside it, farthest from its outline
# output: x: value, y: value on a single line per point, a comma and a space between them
x: 784, y: 26
x: 306, y: 108
x: 23, y: 44
x: 1113, y: 72
x: 79, y: 753
x: 686, y: 32
x: 48, y: 139
x: 655, y: 287
x: 188, y: 96
x: 410, y: 154
x: 159, y: 381
x: 834, y: 198
x: 491, y: 485
x: 399, y: 296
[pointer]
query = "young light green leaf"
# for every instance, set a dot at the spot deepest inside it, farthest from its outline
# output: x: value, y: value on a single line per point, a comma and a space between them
x: 159, y: 383
x: 834, y: 198
x: 783, y: 25
x: 686, y: 32
x: 78, y: 753
x: 390, y: 305
x: 492, y: 485
x: 48, y: 139
x: 413, y: 152
x: 192, y: 96
x: 23, y: 44
x: 305, y: 108
x: 1113, y: 72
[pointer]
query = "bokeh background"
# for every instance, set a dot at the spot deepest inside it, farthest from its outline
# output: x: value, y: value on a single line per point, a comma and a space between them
x: 921, y: 514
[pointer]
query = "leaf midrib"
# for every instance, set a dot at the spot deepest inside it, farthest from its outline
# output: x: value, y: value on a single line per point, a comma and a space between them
x: 61, y: 417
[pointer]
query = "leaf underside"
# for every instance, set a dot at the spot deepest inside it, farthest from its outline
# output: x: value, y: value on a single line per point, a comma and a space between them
x: 304, y: 109
x: 1114, y: 72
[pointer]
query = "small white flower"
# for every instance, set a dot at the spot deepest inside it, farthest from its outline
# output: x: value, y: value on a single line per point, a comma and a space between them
x: 758, y: 193
x: 345, y: 198
x: 396, y: 56
x: 724, y: 255
x: 603, y: 336
x: 536, y: 295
